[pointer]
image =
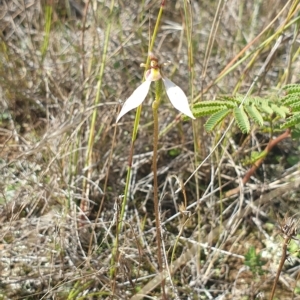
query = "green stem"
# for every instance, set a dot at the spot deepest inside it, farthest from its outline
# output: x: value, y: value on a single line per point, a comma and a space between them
x: 84, y: 204
x: 48, y: 20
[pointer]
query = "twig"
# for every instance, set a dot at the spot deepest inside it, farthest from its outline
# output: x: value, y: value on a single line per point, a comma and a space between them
x: 258, y: 163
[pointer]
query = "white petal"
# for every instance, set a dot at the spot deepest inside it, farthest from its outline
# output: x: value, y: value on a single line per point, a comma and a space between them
x: 177, y: 97
x: 136, y: 99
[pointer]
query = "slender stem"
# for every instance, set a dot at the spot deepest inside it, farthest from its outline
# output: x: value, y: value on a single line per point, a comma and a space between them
x: 137, y: 120
x: 155, y: 106
x: 289, y: 229
x: 48, y: 15
x: 283, y: 258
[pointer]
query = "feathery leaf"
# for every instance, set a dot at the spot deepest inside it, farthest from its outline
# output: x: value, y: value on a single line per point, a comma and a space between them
x: 291, y: 121
x: 254, y: 114
x: 241, y: 119
x: 215, y: 119
x: 280, y: 111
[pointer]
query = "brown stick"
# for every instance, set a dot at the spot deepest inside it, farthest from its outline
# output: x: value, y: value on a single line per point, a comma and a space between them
x: 258, y: 163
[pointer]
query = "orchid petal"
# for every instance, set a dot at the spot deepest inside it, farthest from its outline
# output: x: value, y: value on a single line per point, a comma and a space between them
x: 136, y: 99
x: 177, y: 97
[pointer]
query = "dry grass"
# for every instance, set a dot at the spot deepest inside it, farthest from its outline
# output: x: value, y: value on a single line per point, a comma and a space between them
x: 49, y: 68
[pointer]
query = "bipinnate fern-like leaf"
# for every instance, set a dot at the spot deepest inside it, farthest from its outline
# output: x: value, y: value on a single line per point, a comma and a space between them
x: 242, y: 119
x: 264, y: 106
x: 293, y: 88
x: 292, y: 104
x: 281, y: 111
x: 251, y: 109
x: 256, y: 101
x: 230, y: 101
x: 242, y: 100
x: 254, y: 114
x: 214, y: 103
x: 290, y: 99
x: 295, y: 107
x: 207, y: 108
x: 292, y: 121
x: 216, y: 118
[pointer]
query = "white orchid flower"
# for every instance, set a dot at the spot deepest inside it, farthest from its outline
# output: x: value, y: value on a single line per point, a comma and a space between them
x: 174, y: 92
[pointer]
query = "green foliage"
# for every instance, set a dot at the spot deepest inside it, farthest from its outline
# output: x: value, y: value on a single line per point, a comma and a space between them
x: 293, y: 88
x: 215, y: 119
x: 253, y: 112
x: 292, y: 101
x: 296, y: 132
x: 283, y: 112
x: 174, y: 152
x: 254, y: 261
x: 292, y: 121
x: 255, y: 156
x: 242, y: 119
x: 293, y: 247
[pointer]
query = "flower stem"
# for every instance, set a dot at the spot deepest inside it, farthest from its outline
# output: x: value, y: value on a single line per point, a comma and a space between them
x: 155, y: 106
x: 133, y: 138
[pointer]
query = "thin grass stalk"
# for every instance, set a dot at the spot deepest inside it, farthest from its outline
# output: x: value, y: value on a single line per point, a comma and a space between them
x: 211, y: 39
x: 133, y: 139
x: 104, y: 188
x: 235, y: 62
x: 293, y: 55
x: 78, y: 288
x: 84, y: 19
x: 196, y: 131
x: 73, y: 167
x: 287, y: 23
x: 48, y: 16
x: 84, y: 201
x: 183, y: 222
x: 198, y: 124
